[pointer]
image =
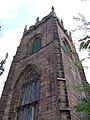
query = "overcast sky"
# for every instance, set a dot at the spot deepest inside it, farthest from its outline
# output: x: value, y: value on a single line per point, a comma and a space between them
x: 15, y: 14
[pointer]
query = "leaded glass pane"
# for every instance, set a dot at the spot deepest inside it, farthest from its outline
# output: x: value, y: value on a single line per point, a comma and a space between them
x: 32, y: 93
x: 37, y: 90
x: 18, y: 114
x: 27, y: 93
x: 30, y: 113
x: 28, y: 107
x: 24, y: 114
x: 22, y: 96
x: 36, y: 112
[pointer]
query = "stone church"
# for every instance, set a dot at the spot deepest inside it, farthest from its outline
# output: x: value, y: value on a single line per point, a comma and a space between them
x: 43, y: 75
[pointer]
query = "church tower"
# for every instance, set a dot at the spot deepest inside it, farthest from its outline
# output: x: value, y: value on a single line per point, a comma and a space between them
x: 43, y: 74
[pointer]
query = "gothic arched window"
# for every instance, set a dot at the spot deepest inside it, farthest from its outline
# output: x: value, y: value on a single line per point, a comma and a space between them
x: 65, y: 47
x: 28, y: 105
x: 36, y: 44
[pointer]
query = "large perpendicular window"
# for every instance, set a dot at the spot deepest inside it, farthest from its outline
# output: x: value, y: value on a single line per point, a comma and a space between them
x: 29, y: 98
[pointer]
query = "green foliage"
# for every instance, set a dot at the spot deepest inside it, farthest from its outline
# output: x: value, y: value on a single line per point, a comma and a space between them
x: 78, y: 63
x: 83, y: 106
x: 81, y: 88
x: 85, y: 44
x: 84, y: 25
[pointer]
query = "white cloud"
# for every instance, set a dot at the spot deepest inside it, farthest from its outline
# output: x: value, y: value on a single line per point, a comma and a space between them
x: 10, y: 40
x: 9, y: 43
x: 9, y: 8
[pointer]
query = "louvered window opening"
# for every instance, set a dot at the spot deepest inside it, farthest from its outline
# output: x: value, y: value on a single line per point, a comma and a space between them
x: 36, y: 44
x: 65, y: 47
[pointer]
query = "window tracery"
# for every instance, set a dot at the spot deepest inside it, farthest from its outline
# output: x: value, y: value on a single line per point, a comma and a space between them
x: 29, y: 98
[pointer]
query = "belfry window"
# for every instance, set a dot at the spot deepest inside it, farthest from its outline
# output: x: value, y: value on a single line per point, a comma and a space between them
x: 36, y: 44
x: 65, y: 47
x: 29, y: 98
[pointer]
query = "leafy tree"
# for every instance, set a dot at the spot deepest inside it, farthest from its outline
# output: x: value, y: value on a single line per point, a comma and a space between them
x: 2, y: 63
x: 85, y: 43
x: 84, y: 105
x: 85, y: 26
